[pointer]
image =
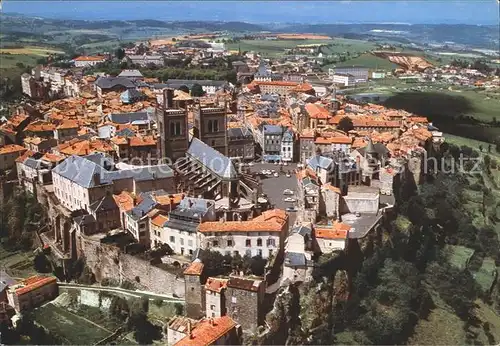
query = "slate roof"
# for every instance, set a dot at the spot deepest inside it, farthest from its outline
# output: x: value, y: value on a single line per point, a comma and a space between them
x: 5, y: 280
x: 111, y: 82
x: 142, y: 208
x: 127, y: 118
x: 130, y: 73
x: 319, y: 161
x: 81, y: 170
x: 218, y: 163
x: 104, y: 204
x: 177, y: 83
x: 35, y: 164
x: 238, y: 132
x: 131, y: 95
x: 302, y: 230
x: 273, y: 129
x: 295, y: 259
x: 379, y: 148
x: 84, y: 220
x: 125, y: 133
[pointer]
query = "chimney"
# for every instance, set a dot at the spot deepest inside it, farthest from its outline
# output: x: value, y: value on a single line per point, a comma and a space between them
x: 168, y: 98
x: 97, y: 179
x: 212, y: 322
x: 189, y: 331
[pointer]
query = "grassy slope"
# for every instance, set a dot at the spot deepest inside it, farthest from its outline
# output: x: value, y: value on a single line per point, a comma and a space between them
x: 367, y: 60
x: 73, y: 328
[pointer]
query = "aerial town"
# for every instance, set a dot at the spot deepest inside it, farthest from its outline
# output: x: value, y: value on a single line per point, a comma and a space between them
x: 216, y: 197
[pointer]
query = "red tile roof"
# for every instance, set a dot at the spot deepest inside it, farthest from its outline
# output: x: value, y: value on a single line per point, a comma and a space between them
x: 337, y: 231
x: 317, y: 111
x: 195, y: 268
x: 11, y: 148
x: 68, y: 124
x: 35, y: 282
x: 333, y: 140
x: 269, y: 221
x: 124, y: 200
x: 40, y: 126
x: 54, y: 158
x: 159, y: 220
x: 25, y: 155
x: 142, y: 141
x: 216, y: 284
x: 208, y: 331
x: 90, y: 58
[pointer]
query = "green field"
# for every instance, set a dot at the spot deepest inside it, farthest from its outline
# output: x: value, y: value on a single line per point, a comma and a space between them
x: 18, y: 264
x: 271, y: 47
x: 366, y: 60
x: 457, y: 140
x: 486, y: 105
x: 72, y: 328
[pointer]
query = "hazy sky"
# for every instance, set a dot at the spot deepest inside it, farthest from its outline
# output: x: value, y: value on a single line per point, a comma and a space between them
x: 414, y: 12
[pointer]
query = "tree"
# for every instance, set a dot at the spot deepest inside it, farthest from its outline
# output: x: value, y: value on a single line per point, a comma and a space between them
x: 184, y: 88
x: 120, y: 53
x: 345, y: 124
x: 144, y: 331
x: 197, y: 90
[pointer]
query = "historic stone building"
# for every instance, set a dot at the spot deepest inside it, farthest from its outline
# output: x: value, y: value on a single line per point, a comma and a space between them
x: 210, y: 126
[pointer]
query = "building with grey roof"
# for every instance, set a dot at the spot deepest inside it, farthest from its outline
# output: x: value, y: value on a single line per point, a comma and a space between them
x: 208, y: 86
x: 240, y: 143
x: 129, y: 118
x: 271, y: 142
x: 81, y: 181
x: 118, y: 84
x: 206, y: 172
x: 131, y: 74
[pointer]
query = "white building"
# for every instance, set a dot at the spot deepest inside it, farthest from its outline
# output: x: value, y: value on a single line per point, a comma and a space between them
x: 332, y: 238
x: 179, y: 231
x: 287, y: 143
x: 178, y: 328
x: 87, y: 61
x: 261, y: 236
x: 344, y: 79
x: 215, y: 289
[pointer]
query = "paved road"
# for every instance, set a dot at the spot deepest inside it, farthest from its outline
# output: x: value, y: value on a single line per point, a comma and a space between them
x: 274, y: 187
x: 119, y: 290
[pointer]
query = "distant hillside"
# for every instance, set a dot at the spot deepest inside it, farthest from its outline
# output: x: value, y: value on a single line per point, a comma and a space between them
x: 485, y: 36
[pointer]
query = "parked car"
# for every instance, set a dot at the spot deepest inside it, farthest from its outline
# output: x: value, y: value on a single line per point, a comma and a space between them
x: 250, y: 164
x: 288, y: 175
x: 276, y: 175
x: 287, y: 192
x: 290, y: 199
x: 291, y: 209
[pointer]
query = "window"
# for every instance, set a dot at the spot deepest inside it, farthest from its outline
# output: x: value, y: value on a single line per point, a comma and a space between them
x: 190, y: 242
x: 259, y: 252
x: 271, y: 242
x: 212, y: 307
x: 172, y: 239
x: 215, y: 243
x: 229, y: 243
x: 175, y: 128
x: 248, y: 242
x: 233, y: 300
x: 259, y: 242
x: 181, y: 240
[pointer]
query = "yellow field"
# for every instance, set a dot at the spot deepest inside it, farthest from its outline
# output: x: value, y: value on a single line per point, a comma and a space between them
x: 30, y: 51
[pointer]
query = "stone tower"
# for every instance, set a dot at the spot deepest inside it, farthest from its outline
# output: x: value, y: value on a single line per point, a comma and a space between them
x: 172, y: 128
x: 211, y: 126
